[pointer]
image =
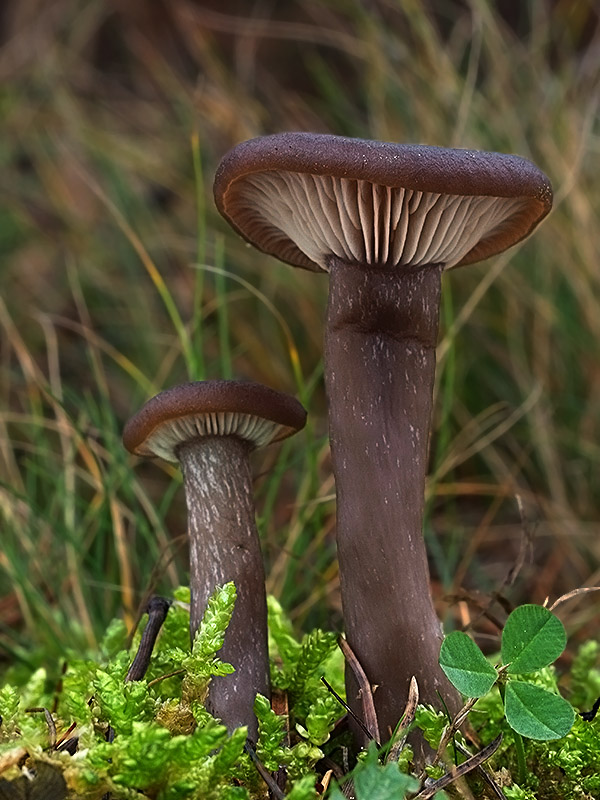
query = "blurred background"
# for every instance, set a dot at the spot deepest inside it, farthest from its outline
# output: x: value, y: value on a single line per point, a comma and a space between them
x: 118, y: 279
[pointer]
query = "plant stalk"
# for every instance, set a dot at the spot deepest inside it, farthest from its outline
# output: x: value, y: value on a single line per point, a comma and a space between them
x: 225, y: 546
x: 380, y: 340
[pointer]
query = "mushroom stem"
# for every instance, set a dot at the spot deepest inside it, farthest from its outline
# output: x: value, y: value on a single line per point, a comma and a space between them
x: 225, y: 546
x: 380, y: 340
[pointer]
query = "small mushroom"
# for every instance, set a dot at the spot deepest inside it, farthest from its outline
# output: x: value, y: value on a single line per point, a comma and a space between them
x: 384, y: 220
x: 210, y: 428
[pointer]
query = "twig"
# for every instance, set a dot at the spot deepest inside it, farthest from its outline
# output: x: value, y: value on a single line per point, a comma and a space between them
x: 457, y: 772
x: 588, y: 716
x: 575, y: 593
x: 458, y: 720
x: 401, y: 732
x: 263, y: 772
x: 366, y: 694
x: 356, y: 718
x: 165, y: 676
x: 156, y: 573
x: 483, y: 774
x: 157, y: 611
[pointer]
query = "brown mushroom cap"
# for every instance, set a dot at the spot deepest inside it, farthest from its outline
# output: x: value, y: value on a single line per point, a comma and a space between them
x: 248, y: 410
x: 305, y: 197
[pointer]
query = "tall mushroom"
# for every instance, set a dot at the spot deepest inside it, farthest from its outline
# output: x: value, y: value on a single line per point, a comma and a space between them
x: 210, y: 428
x: 384, y: 220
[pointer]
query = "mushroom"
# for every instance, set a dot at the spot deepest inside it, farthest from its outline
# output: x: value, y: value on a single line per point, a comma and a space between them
x: 210, y: 428
x: 384, y: 220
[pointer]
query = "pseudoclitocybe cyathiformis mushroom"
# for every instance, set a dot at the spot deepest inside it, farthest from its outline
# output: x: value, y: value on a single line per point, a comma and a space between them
x: 210, y: 428
x: 384, y: 220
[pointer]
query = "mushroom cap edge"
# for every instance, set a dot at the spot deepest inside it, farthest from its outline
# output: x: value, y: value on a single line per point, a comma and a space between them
x: 202, y: 398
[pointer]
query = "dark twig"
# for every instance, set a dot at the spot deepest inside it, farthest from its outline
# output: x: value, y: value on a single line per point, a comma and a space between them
x: 483, y: 774
x: 525, y: 547
x: 165, y: 676
x: 588, y: 716
x: 68, y: 742
x: 69, y: 745
x: 342, y: 702
x: 157, y: 611
x: 456, y: 772
x: 366, y: 693
x: 263, y: 772
x: 157, y: 572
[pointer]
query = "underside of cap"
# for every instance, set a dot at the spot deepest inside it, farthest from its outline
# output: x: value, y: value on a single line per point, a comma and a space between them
x: 308, y: 198
x: 244, y: 409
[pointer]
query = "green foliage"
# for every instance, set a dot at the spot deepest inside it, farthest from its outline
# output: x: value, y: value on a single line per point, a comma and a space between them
x: 566, y: 767
x: 303, y: 789
x: 77, y: 682
x: 202, y: 664
x: 535, y: 712
x: 531, y: 639
x: 322, y: 713
x: 517, y: 793
x: 315, y: 648
x: 9, y: 710
x: 118, y: 702
x: 114, y: 639
x: 271, y: 730
x: 572, y: 762
x: 297, y: 670
x: 171, y: 748
x: 211, y: 634
x: 585, y: 675
x: 466, y: 666
x: 432, y: 723
x: 375, y: 781
x: 166, y: 744
x: 147, y: 750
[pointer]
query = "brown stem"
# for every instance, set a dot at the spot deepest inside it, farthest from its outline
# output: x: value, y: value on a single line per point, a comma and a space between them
x: 157, y: 608
x: 380, y: 340
x: 225, y: 546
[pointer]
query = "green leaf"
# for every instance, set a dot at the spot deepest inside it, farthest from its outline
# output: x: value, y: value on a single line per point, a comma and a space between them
x: 231, y: 751
x: 9, y: 704
x: 316, y: 647
x: 532, y: 638
x: 465, y: 665
x: 303, y: 789
x: 321, y: 718
x: 372, y: 781
x: 203, y: 663
x: 210, y: 635
x: 335, y: 793
x: 114, y: 639
x: 536, y: 713
x: 271, y: 729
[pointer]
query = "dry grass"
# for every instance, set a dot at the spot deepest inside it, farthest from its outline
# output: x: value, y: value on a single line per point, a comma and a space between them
x: 114, y: 118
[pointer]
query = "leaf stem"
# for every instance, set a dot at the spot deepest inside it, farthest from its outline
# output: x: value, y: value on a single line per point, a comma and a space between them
x: 522, y: 764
